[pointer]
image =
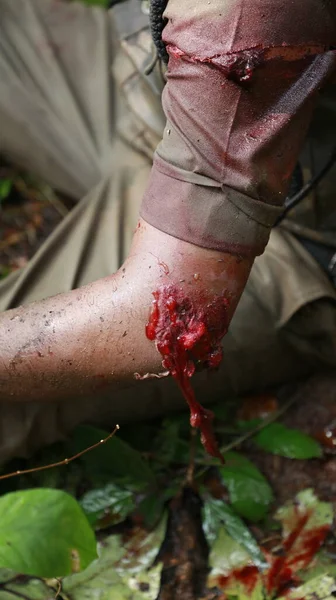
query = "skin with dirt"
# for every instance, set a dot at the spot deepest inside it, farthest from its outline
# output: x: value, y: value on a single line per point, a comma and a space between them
x: 90, y: 338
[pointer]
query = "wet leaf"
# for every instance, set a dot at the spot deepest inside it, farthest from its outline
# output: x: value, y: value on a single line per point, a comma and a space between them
x: 216, y: 513
x: 319, y: 588
x: 291, y: 443
x: 141, y: 549
x: 41, y: 530
x: 15, y: 587
x: 123, y: 571
x: 250, y: 493
x: 305, y: 523
x: 115, y: 459
x: 319, y: 513
x: 323, y: 564
x: 110, y: 503
x: 232, y: 569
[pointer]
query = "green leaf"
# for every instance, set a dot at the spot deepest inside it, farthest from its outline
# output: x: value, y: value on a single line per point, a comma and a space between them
x: 15, y: 587
x: 319, y: 588
x: 115, y: 459
x: 217, y: 512
x: 5, y: 188
x: 122, y: 571
x: 250, y: 494
x: 41, y: 531
x: 233, y: 571
x: 306, y: 522
x: 110, y: 503
x: 291, y: 443
x: 323, y: 564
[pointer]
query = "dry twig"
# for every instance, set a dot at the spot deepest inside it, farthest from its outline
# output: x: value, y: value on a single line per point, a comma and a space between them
x: 60, y: 463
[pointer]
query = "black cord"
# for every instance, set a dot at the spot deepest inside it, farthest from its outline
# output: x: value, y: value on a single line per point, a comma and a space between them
x: 157, y: 23
x: 303, y: 193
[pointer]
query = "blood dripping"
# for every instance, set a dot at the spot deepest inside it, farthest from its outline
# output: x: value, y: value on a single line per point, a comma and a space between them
x: 185, y: 336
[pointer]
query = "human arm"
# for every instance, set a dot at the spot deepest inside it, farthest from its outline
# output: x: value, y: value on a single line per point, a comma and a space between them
x: 201, y: 224
x: 93, y: 338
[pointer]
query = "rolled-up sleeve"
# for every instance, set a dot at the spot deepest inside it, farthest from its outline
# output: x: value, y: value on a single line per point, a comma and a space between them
x: 242, y: 82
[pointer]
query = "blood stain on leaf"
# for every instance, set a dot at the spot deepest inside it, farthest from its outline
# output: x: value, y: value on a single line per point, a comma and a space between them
x: 248, y: 576
x: 306, y: 524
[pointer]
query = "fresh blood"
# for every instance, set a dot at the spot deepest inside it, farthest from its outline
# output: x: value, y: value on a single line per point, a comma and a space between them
x: 299, y: 549
x: 248, y: 576
x: 185, y: 336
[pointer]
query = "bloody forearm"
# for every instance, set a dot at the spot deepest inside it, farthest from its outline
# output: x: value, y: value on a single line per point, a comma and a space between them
x: 94, y: 337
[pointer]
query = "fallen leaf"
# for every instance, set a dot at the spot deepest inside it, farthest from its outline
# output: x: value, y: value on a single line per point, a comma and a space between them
x: 250, y: 493
x: 291, y: 443
x: 40, y: 530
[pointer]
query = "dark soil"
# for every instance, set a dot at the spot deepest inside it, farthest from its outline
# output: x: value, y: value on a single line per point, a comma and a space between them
x: 28, y: 215
x: 313, y: 412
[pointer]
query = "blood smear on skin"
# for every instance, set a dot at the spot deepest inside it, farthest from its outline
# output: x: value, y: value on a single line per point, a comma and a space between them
x: 184, y: 336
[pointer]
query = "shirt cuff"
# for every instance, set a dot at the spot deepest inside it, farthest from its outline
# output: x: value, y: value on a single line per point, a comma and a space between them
x: 210, y: 216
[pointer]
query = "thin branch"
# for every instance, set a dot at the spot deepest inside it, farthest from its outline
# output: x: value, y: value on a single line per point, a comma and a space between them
x: 241, y: 439
x: 259, y: 427
x: 59, y: 588
x: 60, y: 463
